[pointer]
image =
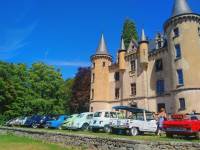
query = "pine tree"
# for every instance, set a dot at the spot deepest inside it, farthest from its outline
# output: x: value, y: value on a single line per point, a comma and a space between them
x: 129, y: 32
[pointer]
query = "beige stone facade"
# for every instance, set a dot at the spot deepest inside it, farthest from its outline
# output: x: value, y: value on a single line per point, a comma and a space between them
x: 165, y: 75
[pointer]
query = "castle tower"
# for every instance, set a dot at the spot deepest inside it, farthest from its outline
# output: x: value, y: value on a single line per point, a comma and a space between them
x: 100, y: 77
x: 122, y: 68
x: 183, y: 36
x: 143, y: 50
x: 143, y: 59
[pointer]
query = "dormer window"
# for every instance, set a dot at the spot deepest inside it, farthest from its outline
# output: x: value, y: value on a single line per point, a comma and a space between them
x: 176, y: 32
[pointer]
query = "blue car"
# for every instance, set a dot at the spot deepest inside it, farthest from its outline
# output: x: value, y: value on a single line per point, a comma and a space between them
x: 33, y: 121
x: 56, y: 122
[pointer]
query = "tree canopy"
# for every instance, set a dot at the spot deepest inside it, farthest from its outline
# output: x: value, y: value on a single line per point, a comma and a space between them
x: 129, y: 32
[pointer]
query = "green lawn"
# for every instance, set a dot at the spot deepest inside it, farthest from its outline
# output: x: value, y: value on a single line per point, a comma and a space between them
x: 11, y: 142
x: 146, y: 137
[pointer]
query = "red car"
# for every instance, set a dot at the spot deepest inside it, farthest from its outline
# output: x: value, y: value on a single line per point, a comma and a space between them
x: 185, y: 125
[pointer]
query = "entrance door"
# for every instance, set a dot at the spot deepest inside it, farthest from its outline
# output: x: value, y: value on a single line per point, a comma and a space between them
x: 160, y: 105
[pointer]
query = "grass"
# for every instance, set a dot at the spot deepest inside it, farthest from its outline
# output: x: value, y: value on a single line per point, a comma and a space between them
x: 12, y: 142
x: 146, y: 137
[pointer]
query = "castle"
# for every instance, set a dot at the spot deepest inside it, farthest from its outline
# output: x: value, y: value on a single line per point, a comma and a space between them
x: 152, y: 74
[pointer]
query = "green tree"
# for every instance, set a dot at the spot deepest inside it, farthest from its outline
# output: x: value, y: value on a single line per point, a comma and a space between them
x: 129, y: 32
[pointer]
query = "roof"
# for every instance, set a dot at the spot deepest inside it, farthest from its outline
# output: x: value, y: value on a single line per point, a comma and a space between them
x: 122, y: 45
x: 180, y: 7
x: 131, y: 109
x: 102, y: 48
x: 143, y: 36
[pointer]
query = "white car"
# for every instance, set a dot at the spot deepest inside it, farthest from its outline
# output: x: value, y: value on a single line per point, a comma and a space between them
x: 139, y: 122
x: 82, y: 121
x: 102, y: 120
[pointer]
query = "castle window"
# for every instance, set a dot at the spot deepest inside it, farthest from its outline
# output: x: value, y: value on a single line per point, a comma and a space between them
x: 117, y: 93
x: 104, y: 64
x: 199, y: 30
x: 91, y: 109
x: 133, y: 89
x: 160, y: 87
x: 159, y: 65
x: 176, y: 32
x: 178, y: 51
x: 92, y: 96
x: 93, y: 65
x: 159, y: 44
x: 116, y: 76
x: 93, y: 77
x: 182, y: 104
x: 180, y: 77
x: 133, y: 65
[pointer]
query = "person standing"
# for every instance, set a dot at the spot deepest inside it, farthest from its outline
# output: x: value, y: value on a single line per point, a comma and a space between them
x: 162, y: 116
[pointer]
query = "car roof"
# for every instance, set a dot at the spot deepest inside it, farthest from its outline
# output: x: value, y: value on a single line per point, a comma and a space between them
x: 131, y: 109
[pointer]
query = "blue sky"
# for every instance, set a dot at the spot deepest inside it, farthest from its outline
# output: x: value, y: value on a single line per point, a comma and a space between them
x: 65, y: 33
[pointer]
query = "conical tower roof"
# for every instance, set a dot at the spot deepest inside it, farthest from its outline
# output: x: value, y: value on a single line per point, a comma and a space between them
x: 102, y: 48
x: 143, y: 36
x: 180, y: 7
x: 122, y: 45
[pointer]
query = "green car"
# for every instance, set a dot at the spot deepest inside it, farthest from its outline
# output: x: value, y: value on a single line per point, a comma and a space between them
x: 68, y: 123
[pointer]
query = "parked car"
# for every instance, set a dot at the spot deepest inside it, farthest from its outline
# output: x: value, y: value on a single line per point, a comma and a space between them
x: 68, y: 123
x: 101, y: 120
x: 34, y: 121
x: 21, y: 121
x: 56, y: 122
x: 138, y: 122
x: 11, y: 122
x: 184, y: 125
x: 82, y: 121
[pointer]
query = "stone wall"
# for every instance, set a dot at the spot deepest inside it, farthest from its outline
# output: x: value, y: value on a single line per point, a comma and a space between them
x: 97, y: 143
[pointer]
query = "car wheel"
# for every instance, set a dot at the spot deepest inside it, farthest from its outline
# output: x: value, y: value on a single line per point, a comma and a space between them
x: 46, y: 126
x: 107, y: 129
x: 85, y: 126
x: 198, y: 135
x: 169, y: 135
x: 34, y: 126
x: 134, y: 131
x: 95, y: 130
x: 59, y: 128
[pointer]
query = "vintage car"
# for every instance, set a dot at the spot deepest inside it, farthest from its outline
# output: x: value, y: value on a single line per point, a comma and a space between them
x: 82, y: 121
x: 101, y: 120
x: 184, y: 125
x: 138, y: 122
x: 56, y: 122
x: 68, y: 123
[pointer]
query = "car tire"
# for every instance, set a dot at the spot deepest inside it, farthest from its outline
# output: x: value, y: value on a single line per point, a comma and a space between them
x: 107, y: 129
x: 34, y: 126
x: 59, y: 128
x: 134, y: 131
x: 169, y: 135
x: 46, y: 126
x: 95, y: 130
x: 198, y: 135
x: 85, y: 127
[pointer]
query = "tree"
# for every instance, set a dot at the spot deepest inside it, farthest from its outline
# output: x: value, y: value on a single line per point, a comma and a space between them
x: 129, y: 32
x: 81, y: 91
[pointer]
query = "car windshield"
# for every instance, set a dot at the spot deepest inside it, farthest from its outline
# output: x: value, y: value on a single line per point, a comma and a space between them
x: 81, y: 115
x: 98, y: 114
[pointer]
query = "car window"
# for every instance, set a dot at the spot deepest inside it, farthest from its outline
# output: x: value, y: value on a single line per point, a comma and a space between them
x: 113, y: 115
x: 90, y: 116
x: 149, y: 116
x: 98, y: 114
x: 140, y: 116
x: 107, y: 115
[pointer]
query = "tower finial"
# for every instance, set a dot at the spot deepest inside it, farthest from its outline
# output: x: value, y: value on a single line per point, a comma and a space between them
x: 122, y: 45
x: 180, y: 7
x: 102, y: 48
x: 143, y: 36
